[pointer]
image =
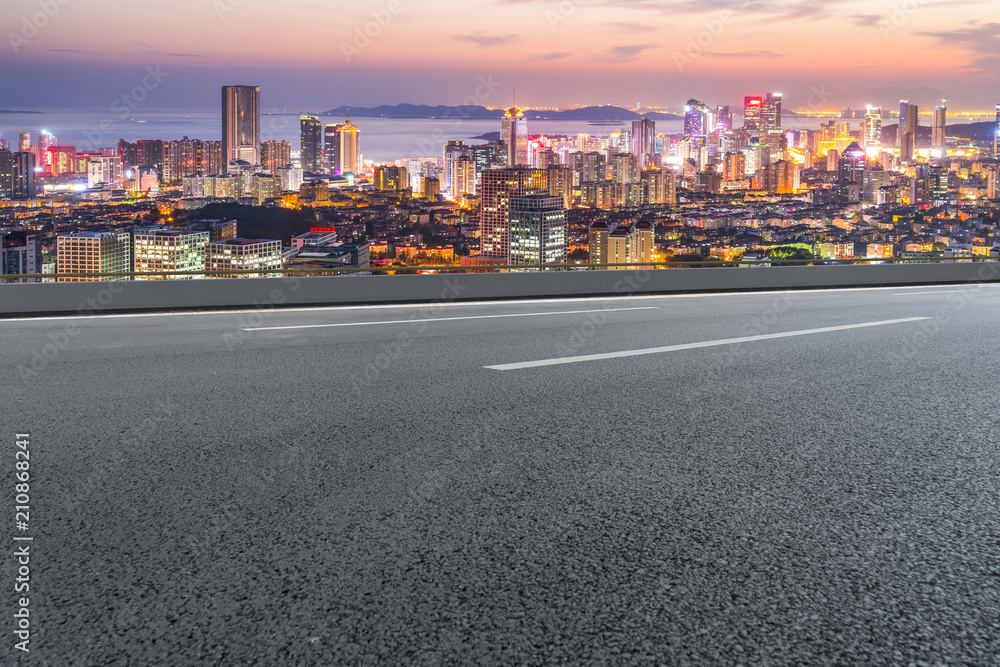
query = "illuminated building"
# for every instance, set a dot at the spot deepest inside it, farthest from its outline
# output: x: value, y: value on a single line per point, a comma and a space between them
x: 60, y: 160
x: 106, y: 171
x: 735, y: 167
x: 782, y: 178
x: 331, y: 149
x: 643, y: 139
x: 873, y: 126
x: 996, y: 136
x: 431, y: 188
x: 149, y: 153
x: 388, y: 178
x: 659, y: 186
x: 752, y: 108
x: 46, y: 140
x: 723, y: 119
x: 264, y: 187
x: 514, y: 133
x: 275, y: 155
x: 770, y: 115
x: 350, y: 149
x: 621, y: 244
x: 561, y: 183
x: 291, y: 178
x: 452, y: 151
x: 242, y: 255
x: 94, y: 252
x: 147, y: 179
x: 588, y: 167
x: 498, y: 186
x: 872, y: 183
x: 311, y: 144
x: 24, y: 141
x: 697, y: 120
x: 20, y: 252
x: 6, y: 174
x: 906, y: 135
x: 218, y: 230
x: 625, y: 168
x: 993, y: 183
x: 463, y: 177
x: 240, y: 124
x: 159, y: 248
x: 939, y: 129
x: 22, y: 176
x: 537, y: 228
x: 851, y: 166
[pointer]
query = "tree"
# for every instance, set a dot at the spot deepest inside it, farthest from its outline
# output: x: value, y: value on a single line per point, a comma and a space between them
x: 789, y: 252
x: 578, y: 255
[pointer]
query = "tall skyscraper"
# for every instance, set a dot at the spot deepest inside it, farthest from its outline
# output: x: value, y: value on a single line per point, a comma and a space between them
x: 873, y: 126
x: 996, y: 136
x: 463, y: 177
x: 770, y: 116
x: 331, y: 148
x: 514, y: 133
x: 697, y: 119
x: 537, y: 225
x: 752, y: 109
x: 938, y: 133
x: 6, y: 174
x: 643, y: 139
x: 906, y: 135
x: 312, y: 144
x: 23, y: 176
x: 723, y: 119
x: 350, y: 149
x: 498, y: 186
x: 24, y: 142
x: 241, y: 124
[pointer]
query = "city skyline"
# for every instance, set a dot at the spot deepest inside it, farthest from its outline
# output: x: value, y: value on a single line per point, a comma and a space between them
x: 557, y: 54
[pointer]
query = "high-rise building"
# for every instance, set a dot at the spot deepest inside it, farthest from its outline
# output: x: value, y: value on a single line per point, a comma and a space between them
x: 6, y: 175
x: 851, y: 166
x: 770, y: 116
x: 463, y: 177
x: 996, y: 136
x: 94, y: 252
x: 906, y: 135
x: 20, y: 254
x: 241, y: 124
x: 621, y: 244
x: 160, y: 249
x: 311, y: 144
x: 697, y: 119
x: 514, y: 133
x: 561, y: 183
x: 659, y: 186
x: 498, y: 186
x: 23, y: 176
x: 350, y: 149
x: 873, y: 126
x: 24, y: 141
x: 939, y: 130
x: 389, y: 178
x: 331, y: 148
x: 274, y: 155
x: 106, y: 171
x: 723, y: 119
x: 242, y: 255
x: 453, y: 150
x: 735, y: 167
x: 643, y: 139
x: 150, y: 153
x: 752, y: 109
x: 537, y: 225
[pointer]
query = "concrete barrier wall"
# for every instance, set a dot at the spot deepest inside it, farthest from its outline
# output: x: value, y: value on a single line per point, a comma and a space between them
x: 58, y: 298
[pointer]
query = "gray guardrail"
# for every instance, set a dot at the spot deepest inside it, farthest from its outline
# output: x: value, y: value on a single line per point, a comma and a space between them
x: 129, y: 296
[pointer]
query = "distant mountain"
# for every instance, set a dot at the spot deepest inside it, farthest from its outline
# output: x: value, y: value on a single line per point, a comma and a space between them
x: 413, y: 111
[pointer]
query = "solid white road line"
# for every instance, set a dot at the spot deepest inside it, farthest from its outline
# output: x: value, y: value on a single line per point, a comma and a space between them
x: 693, y: 346
x: 924, y: 293
x: 451, y: 319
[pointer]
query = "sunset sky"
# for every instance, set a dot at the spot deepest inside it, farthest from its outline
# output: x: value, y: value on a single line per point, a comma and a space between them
x: 556, y: 53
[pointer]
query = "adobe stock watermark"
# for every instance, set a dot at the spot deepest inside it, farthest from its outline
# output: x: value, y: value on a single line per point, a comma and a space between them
x: 899, y: 16
x: 365, y: 34
x: 123, y: 106
x: 560, y: 14
x: 713, y: 29
x: 32, y: 25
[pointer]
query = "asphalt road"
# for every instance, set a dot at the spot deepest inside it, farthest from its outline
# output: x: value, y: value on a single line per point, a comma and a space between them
x: 379, y: 492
